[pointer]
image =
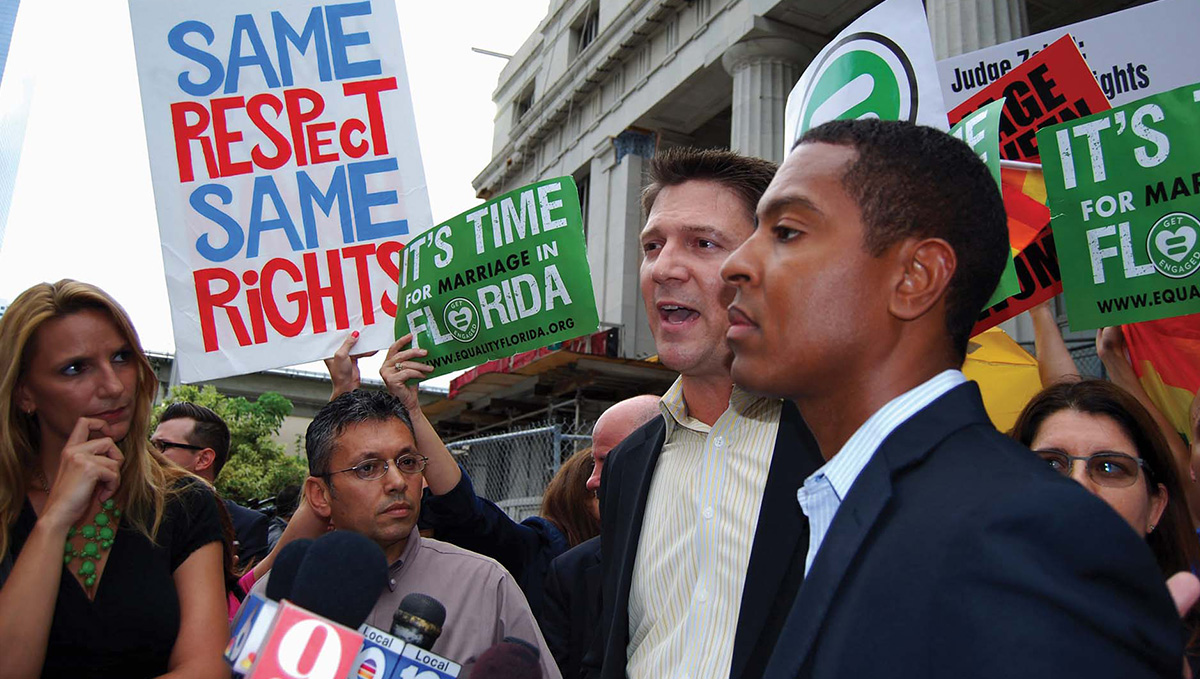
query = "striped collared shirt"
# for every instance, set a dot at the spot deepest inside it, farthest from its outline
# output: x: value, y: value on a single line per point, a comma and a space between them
x: 696, y: 537
x: 822, y: 493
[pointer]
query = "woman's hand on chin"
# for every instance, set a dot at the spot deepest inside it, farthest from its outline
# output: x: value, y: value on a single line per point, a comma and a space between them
x: 89, y: 469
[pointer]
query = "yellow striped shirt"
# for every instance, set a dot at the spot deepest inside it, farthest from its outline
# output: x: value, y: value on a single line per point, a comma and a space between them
x: 696, y: 537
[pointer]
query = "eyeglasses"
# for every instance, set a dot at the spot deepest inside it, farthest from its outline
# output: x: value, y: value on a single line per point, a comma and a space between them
x: 374, y: 468
x: 1111, y: 470
x: 162, y: 445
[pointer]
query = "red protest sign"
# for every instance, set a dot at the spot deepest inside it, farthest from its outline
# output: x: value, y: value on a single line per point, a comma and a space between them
x: 1032, y: 242
x: 1053, y: 86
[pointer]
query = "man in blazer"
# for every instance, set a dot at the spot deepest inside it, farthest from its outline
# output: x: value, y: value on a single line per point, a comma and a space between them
x: 702, y: 542
x: 937, y: 546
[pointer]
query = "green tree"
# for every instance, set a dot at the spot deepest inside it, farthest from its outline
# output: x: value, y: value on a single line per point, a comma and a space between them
x: 258, y: 467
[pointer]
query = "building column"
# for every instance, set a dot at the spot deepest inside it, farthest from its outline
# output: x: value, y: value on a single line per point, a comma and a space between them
x: 614, y: 226
x: 961, y: 26
x: 764, y: 71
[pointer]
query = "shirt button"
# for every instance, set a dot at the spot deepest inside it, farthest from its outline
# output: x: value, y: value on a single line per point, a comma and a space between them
x: 701, y: 593
x: 720, y: 441
x: 708, y: 512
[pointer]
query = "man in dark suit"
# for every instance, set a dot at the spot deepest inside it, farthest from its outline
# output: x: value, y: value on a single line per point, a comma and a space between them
x: 937, y: 546
x: 571, y: 604
x: 702, y: 542
x: 197, y: 439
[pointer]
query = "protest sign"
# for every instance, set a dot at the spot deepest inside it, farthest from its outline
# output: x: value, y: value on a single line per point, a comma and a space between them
x: 1124, y: 193
x: 980, y: 130
x: 1029, y: 236
x: 1133, y: 53
x: 1052, y: 87
x: 880, y: 66
x: 286, y: 174
x: 508, y: 276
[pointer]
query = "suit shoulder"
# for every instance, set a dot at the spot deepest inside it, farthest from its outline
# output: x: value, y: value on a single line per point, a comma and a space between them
x: 640, y: 442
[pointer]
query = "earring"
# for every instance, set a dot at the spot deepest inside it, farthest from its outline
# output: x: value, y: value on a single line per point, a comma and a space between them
x: 1151, y: 529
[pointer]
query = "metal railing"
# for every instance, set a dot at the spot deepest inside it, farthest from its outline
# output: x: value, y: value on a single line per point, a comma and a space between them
x: 512, y: 469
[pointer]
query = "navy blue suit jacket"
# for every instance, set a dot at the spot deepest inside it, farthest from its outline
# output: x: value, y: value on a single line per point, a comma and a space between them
x: 776, y: 557
x: 958, y: 553
x: 250, y: 528
x: 570, y: 614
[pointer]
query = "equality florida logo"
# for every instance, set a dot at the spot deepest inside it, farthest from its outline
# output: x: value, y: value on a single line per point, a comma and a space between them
x: 1174, y: 245
x: 863, y: 75
x: 462, y: 319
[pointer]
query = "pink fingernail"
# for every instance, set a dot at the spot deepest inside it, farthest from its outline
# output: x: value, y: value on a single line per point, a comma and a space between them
x: 354, y: 334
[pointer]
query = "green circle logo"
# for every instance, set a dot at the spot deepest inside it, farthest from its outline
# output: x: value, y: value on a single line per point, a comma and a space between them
x: 864, y: 75
x: 462, y: 319
x: 1172, y: 245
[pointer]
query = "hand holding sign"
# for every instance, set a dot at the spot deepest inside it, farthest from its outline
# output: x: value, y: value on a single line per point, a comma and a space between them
x: 399, y: 369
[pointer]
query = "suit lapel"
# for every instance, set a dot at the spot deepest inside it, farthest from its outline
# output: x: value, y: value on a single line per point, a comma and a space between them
x: 860, y: 511
x: 641, y: 473
x: 781, y: 525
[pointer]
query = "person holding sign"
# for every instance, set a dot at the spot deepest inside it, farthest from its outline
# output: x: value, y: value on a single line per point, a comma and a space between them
x: 936, y: 545
x: 111, y: 554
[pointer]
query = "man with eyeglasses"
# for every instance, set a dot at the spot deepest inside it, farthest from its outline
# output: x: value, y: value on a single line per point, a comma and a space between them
x: 365, y: 475
x: 197, y: 439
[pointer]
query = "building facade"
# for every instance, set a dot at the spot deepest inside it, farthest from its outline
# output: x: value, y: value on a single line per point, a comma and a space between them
x: 602, y: 84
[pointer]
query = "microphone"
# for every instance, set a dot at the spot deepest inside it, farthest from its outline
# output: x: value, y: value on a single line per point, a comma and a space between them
x: 340, y: 578
x: 419, y: 620
x: 383, y: 656
x: 510, y: 659
x: 337, y: 581
x: 283, y: 571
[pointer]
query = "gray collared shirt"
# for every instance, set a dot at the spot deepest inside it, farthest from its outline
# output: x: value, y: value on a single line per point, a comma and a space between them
x: 483, y: 603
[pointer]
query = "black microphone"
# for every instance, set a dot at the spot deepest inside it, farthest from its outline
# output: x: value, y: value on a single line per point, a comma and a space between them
x: 283, y: 572
x: 419, y: 620
x: 512, y: 658
x: 341, y: 578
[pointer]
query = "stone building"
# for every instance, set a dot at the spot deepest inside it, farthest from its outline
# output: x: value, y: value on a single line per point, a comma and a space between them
x: 601, y: 84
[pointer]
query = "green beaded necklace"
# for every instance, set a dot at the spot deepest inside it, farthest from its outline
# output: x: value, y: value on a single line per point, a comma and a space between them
x: 97, y: 538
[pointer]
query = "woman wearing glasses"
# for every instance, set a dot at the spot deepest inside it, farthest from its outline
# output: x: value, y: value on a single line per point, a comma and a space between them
x: 1097, y: 434
x: 110, y: 557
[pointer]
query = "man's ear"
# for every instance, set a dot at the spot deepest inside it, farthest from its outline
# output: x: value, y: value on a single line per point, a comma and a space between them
x: 318, y: 493
x: 204, y: 459
x: 926, y: 268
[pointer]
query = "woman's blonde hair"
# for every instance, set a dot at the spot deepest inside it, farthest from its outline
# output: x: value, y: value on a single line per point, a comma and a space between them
x: 147, y: 479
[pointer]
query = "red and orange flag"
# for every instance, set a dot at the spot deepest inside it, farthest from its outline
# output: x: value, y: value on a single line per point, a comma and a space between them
x: 1166, y: 358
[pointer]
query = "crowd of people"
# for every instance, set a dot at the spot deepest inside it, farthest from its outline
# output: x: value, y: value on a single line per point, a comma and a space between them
x: 819, y: 494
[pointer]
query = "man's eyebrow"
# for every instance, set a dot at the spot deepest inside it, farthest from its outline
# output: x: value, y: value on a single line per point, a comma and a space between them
x: 781, y: 203
x: 702, y: 230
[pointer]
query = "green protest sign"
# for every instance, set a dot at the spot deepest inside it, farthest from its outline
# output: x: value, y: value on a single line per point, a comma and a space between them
x: 505, y: 277
x: 981, y: 131
x: 1124, y: 192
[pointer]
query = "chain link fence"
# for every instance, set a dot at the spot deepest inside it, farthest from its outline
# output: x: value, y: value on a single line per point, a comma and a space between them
x: 512, y: 469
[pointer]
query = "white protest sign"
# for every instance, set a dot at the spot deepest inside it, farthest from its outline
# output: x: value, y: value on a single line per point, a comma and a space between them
x: 1133, y: 53
x: 287, y: 176
x: 880, y: 66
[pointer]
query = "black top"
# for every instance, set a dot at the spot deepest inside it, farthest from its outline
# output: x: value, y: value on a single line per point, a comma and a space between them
x: 130, y: 628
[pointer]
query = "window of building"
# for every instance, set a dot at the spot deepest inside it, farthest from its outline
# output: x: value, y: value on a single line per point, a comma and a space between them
x: 584, y: 29
x: 524, y: 103
x: 584, y: 184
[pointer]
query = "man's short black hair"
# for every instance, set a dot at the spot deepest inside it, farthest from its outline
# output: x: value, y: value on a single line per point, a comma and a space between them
x: 210, y: 430
x: 911, y: 181
x: 349, y: 408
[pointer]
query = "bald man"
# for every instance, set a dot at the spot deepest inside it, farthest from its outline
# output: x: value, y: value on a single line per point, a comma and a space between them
x: 613, y: 426
x: 571, y: 608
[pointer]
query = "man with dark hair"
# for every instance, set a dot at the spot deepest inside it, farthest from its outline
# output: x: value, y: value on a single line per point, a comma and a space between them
x: 197, y: 439
x: 937, y: 546
x: 365, y: 476
x: 701, y: 537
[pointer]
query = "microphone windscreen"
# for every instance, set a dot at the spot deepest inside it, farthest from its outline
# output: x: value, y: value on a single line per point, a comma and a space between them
x: 425, y: 607
x: 341, y: 578
x: 510, y: 659
x: 283, y: 571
